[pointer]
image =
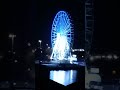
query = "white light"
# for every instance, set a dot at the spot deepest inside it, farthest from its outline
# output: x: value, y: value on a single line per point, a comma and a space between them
x: 15, y: 61
x: 73, y: 58
x: 97, y: 57
x: 78, y: 50
x: 28, y: 69
x: 74, y: 55
x: 103, y: 56
x: 14, y: 83
x: 109, y: 56
x: 12, y: 35
x: 40, y: 41
x: 92, y: 58
x: 28, y: 44
x: 61, y: 48
x: 82, y: 50
x: 33, y: 51
x: 115, y: 56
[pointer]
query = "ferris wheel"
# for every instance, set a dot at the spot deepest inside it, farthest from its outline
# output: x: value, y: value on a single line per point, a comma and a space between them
x: 61, y: 35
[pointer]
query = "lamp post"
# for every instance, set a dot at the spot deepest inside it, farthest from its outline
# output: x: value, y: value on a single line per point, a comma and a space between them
x: 40, y: 41
x: 12, y: 36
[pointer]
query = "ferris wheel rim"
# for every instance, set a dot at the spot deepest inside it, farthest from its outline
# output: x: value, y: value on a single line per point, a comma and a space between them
x: 53, y: 31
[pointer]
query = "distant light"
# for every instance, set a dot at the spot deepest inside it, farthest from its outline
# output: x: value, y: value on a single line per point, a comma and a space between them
x: 97, y: 57
x: 29, y: 69
x: 78, y: 50
x: 15, y: 61
x: 109, y: 56
x: 28, y: 44
x: 91, y: 58
x: 82, y: 49
x: 41, y: 51
x: 73, y: 58
x: 12, y: 35
x: 113, y: 72
x: 72, y: 50
x: 74, y: 55
x: 40, y: 41
x: 33, y: 51
x: 82, y: 56
x: 115, y: 56
x: 48, y: 47
x: 14, y: 83
x: 103, y: 56
x: 14, y: 52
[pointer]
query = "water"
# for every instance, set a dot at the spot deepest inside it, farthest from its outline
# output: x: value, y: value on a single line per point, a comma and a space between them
x: 64, y: 77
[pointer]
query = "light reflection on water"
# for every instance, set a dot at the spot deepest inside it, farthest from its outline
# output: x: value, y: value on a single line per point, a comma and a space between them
x: 63, y: 77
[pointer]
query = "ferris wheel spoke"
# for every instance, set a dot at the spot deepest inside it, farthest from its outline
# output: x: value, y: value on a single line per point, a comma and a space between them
x: 66, y: 22
x: 68, y: 30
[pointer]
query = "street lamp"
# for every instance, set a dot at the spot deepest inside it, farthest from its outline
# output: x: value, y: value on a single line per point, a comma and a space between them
x: 47, y: 45
x: 40, y: 41
x: 12, y: 36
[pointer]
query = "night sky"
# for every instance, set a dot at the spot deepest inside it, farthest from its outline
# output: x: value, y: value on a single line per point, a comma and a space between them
x: 31, y: 20
x: 106, y: 34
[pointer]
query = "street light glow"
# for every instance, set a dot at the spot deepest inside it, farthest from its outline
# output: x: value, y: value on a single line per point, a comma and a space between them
x: 40, y: 41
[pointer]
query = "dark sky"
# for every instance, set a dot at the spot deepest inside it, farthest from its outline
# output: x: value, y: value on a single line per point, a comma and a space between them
x: 50, y: 8
x: 31, y: 20
x: 106, y: 34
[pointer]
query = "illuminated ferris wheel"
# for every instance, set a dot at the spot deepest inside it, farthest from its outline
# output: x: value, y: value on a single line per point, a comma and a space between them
x: 61, y: 36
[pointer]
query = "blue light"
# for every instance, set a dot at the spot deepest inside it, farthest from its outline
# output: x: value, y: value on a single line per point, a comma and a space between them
x: 61, y: 36
x: 64, y: 77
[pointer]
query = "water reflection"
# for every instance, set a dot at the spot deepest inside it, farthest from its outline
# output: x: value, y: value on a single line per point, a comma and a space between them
x: 63, y: 77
